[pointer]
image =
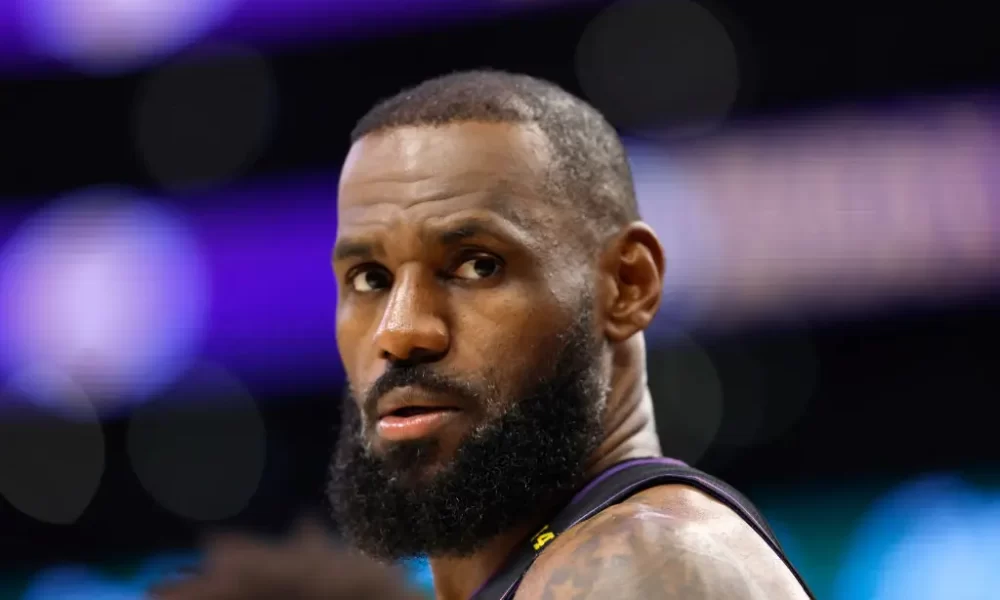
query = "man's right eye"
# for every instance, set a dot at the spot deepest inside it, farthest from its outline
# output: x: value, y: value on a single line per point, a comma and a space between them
x: 370, y: 280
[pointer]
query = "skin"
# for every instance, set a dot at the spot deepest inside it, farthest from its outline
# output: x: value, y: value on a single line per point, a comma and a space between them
x: 426, y: 213
x: 669, y: 542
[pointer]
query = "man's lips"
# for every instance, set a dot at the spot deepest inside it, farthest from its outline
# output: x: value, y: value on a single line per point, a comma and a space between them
x: 395, y: 428
x: 410, y: 413
x: 410, y: 402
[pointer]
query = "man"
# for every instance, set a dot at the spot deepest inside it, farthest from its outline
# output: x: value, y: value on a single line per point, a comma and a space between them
x: 495, y: 281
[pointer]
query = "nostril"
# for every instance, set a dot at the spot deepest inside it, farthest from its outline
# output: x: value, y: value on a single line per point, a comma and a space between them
x: 414, y: 357
x: 423, y: 355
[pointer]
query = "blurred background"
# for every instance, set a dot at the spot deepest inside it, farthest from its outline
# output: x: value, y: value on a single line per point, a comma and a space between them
x: 824, y: 177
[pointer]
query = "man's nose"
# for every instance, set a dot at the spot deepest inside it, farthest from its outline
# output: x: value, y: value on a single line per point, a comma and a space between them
x: 412, y: 329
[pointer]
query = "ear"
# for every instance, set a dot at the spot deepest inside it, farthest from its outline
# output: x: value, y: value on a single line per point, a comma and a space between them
x: 633, y: 266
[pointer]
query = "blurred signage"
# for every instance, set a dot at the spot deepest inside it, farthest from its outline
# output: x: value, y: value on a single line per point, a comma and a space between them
x: 830, y: 212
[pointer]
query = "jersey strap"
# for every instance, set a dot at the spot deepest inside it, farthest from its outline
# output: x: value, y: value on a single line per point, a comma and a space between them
x: 612, y: 487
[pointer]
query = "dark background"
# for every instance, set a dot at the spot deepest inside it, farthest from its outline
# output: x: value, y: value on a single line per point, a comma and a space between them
x: 906, y: 388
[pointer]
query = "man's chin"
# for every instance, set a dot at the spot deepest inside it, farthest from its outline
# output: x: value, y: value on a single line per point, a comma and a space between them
x: 404, y: 455
x: 416, y: 479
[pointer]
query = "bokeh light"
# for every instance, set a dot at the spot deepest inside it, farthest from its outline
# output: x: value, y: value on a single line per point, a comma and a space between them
x: 199, y: 450
x: 77, y: 582
x: 767, y: 386
x: 662, y: 68
x: 85, y: 582
x: 111, y: 36
x: 673, y: 208
x: 418, y: 571
x: 936, y: 538
x: 204, y: 118
x: 687, y: 395
x: 108, y: 290
x: 50, y: 465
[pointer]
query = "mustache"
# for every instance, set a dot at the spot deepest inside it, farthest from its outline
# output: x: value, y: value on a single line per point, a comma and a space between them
x: 422, y: 376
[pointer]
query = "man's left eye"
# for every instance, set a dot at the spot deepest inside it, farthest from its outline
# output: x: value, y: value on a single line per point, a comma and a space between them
x: 480, y: 267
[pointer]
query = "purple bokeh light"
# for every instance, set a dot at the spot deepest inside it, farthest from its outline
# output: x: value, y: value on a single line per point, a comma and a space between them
x: 267, y: 251
x: 105, y: 289
x: 105, y: 36
x: 100, y: 36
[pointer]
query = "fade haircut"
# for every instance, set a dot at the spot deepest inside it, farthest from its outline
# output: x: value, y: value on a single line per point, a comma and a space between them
x: 590, y: 175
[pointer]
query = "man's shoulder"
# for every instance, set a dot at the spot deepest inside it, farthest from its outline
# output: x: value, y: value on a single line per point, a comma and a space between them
x: 666, y: 542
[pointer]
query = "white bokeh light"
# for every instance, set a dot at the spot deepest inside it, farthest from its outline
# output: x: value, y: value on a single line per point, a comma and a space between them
x: 107, y: 289
x: 108, y: 36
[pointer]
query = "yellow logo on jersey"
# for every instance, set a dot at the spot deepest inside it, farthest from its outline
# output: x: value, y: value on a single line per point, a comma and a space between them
x: 542, y: 537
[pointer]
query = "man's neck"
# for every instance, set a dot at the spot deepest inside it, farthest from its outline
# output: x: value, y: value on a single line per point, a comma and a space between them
x: 630, y: 433
x: 459, y: 578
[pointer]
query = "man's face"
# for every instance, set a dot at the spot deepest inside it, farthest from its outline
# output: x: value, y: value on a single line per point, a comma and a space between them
x: 466, y: 327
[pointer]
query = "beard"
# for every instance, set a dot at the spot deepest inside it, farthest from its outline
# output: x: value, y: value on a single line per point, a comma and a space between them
x: 505, y: 472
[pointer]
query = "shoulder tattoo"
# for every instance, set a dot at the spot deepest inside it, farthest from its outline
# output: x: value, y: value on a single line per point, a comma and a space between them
x: 639, y: 556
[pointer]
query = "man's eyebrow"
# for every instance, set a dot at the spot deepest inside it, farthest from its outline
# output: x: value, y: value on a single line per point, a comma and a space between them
x: 467, y: 229
x: 356, y: 249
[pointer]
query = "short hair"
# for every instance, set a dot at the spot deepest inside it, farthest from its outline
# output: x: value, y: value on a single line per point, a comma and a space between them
x: 591, y: 170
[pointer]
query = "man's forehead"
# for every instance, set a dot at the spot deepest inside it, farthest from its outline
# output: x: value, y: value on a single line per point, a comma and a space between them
x: 494, y: 167
x: 468, y: 153
x: 498, y: 202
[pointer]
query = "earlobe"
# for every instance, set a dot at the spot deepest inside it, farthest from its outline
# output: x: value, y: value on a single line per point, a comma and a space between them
x: 635, y: 267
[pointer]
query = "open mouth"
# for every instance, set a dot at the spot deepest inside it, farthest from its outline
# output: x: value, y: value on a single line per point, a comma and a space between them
x: 413, y: 411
